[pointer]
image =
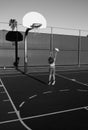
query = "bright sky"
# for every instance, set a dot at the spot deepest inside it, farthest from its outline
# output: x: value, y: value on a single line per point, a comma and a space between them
x: 58, y: 13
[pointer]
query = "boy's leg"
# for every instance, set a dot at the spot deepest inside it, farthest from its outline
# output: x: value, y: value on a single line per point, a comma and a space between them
x: 53, y: 76
x: 50, y: 76
x: 49, y: 79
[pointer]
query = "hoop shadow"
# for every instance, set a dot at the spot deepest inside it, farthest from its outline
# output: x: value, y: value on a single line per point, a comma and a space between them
x: 33, y: 77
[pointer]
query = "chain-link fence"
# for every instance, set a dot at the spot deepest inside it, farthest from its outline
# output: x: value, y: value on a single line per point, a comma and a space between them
x: 72, y: 43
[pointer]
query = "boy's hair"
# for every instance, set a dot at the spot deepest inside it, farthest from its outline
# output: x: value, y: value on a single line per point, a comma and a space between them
x: 50, y: 60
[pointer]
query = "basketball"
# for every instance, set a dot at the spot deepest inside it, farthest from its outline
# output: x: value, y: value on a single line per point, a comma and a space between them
x: 57, y: 49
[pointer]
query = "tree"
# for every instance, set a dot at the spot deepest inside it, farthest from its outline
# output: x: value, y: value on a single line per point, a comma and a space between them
x: 13, y: 24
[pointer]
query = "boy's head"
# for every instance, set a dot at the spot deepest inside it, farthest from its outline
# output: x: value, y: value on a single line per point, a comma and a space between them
x: 50, y: 60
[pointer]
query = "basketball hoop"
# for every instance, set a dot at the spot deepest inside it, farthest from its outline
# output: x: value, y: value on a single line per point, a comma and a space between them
x: 32, y: 21
x: 36, y: 25
x: 35, y: 28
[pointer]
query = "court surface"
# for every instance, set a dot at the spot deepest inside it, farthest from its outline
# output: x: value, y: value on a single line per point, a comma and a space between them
x: 62, y: 106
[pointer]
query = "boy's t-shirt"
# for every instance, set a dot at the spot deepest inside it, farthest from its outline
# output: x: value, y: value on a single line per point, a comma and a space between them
x: 51, y: 61
x: 53, y: 64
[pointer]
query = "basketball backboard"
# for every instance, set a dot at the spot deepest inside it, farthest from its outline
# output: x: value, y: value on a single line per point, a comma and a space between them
x: 34, y: 20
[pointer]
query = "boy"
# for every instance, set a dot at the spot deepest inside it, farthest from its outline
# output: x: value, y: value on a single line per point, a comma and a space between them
x: 52, y: 60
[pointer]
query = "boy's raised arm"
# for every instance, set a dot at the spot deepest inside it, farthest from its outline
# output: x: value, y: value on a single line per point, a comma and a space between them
x: 56, y: 50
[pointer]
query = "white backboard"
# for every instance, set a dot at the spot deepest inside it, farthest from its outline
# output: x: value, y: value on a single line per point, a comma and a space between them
x: 34, y: 17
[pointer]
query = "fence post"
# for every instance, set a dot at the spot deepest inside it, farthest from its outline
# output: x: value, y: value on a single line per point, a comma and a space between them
x: 79, y: 48
x: 51, y: 41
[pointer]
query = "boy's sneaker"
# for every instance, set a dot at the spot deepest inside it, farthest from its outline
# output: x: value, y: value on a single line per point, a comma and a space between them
x: 49, y: 83
x: 53, y: 83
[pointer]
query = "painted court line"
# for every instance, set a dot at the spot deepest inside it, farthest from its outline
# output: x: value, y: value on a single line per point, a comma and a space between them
x: 82, y: 90
x: 6, y: 100
x: 11, y: 112
x: 47, y: 92
x: 8, y: 121
x: 22, y: 104
x: 32, y: 96
x: 43, y: 115
x: 64, y: 90
x: 54, y: 113
x: 81, y: 83
x: 16, y: 111
x: 74, y: 80
x: 86, y: 108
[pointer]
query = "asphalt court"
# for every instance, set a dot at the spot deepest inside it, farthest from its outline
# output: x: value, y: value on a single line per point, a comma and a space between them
x: 81, y: 75
x: 36, y: 100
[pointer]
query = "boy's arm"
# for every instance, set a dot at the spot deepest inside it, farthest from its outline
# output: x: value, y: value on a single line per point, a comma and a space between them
x: 56, y: 50
x: 55, y: 56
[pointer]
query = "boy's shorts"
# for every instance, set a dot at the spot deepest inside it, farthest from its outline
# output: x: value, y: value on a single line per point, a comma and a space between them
x: 52, y: 70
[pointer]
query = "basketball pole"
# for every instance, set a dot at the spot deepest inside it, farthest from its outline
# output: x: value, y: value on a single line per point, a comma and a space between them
x: 31, y: 20
x: 51, y: 42
x: 26, y: 49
